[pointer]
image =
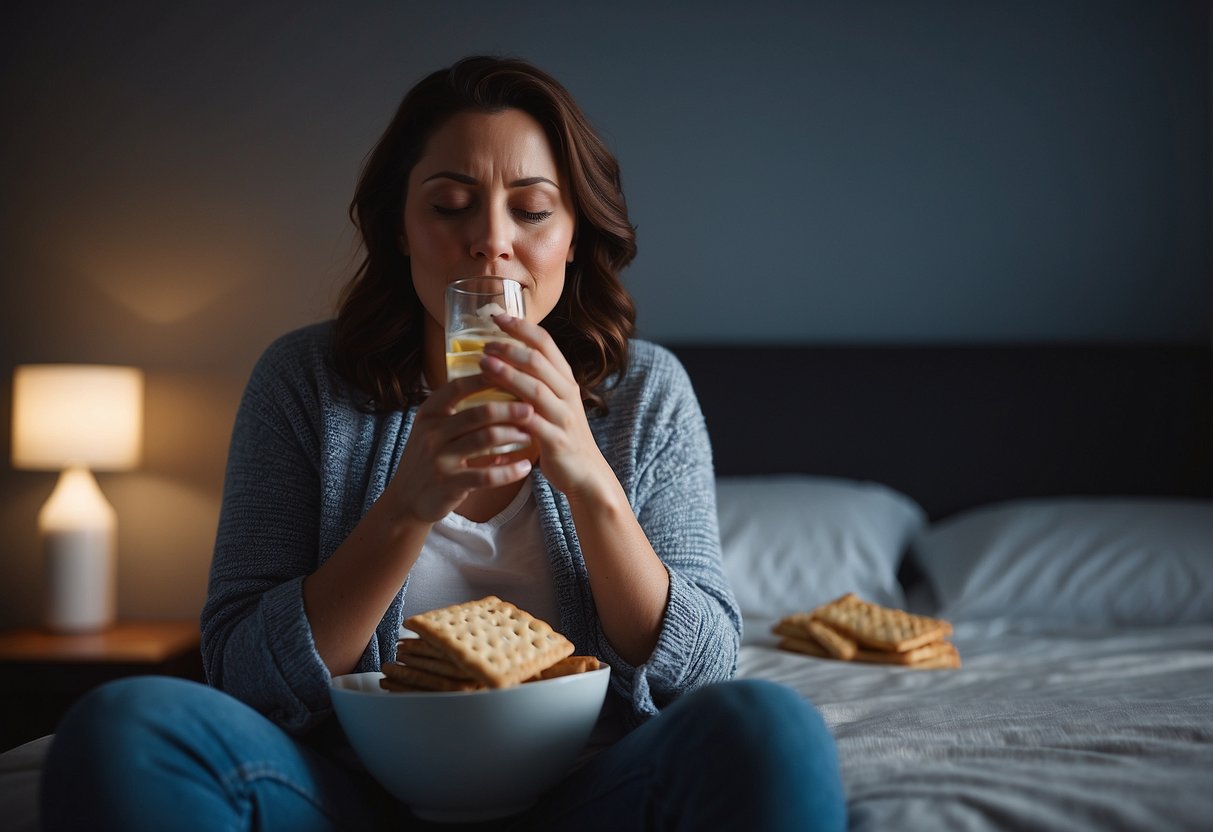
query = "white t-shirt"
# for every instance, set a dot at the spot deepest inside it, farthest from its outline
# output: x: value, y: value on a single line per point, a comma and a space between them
x: 463, y: 560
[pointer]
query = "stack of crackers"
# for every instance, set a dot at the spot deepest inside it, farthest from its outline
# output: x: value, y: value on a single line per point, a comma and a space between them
x: 854, y: 630
x: 489, y: 643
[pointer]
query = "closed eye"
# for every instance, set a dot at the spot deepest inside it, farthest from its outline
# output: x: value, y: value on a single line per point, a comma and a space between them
x: 534, y: 216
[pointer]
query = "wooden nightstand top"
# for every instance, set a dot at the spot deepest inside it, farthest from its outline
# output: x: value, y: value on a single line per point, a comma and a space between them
x: 129, y: 642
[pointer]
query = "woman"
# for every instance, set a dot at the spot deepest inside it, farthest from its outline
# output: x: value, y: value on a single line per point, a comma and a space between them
x: 357, y: 495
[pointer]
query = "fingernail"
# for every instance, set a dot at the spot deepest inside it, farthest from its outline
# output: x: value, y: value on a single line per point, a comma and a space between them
x: 504, y: 318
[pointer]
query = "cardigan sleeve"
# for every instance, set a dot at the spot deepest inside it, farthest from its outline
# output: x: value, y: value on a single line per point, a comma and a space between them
x: 256, y: 641
x: 671, y: 482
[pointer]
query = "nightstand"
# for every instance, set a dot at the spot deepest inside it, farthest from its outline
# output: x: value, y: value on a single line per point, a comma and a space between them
x: 43, y: 673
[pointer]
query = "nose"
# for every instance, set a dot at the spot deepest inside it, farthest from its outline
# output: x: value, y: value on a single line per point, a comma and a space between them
x: 493, y: 239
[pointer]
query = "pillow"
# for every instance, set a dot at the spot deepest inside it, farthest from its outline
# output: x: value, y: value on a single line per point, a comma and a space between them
x: 1107, y: 561
x: 792, y: 542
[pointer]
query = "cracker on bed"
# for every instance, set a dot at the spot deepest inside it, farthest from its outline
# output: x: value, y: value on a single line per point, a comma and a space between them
x: 804, y: 645
x: 787, y: 627
x: 942, y: 655
x: 881, y: 628
x: 937, y: 652
x: 802, y: 626
x: 494, y: 641
x: 943, y: 661
x: 850, y: 629
x: 840, y: 646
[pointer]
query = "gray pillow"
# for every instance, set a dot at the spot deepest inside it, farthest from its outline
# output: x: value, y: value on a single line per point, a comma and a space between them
x: 792, y: 542
x: 1104, y: 561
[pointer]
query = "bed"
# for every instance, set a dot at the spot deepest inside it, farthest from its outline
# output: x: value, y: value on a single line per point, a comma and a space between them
x: 1054, y: 502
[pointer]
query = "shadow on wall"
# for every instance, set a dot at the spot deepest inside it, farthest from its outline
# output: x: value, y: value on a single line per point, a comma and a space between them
x: 167, y: 509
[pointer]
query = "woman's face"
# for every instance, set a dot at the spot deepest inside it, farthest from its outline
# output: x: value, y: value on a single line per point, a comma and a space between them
x: 487, y: 197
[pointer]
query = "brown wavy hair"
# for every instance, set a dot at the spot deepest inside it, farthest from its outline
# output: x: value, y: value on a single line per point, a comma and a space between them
x: 378, y: 332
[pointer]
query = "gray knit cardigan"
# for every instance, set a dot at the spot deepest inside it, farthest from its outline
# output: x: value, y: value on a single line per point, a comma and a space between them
x: 306, y: 463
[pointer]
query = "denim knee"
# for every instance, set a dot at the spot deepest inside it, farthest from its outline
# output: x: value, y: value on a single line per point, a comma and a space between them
x: 154, y: 753
x: 123, y: 711
x: 777, y: 759
x: 764, y: 715
x: 103, y: 747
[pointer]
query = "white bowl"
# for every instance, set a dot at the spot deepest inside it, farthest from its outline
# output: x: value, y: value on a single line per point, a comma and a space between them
x: 477, y: 755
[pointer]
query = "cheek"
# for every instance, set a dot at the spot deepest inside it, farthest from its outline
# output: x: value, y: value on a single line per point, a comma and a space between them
x: 426, y: 241
x: 551, y: 248
x: 426, y: 278
x: 548, y: 267
x: 431, y: 295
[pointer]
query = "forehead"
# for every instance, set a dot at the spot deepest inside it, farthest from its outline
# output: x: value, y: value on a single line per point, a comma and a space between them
x: 510, y: 142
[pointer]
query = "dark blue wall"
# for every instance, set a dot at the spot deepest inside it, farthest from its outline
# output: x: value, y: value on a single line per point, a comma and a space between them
x: 174, y: 179
x: 805, y: 171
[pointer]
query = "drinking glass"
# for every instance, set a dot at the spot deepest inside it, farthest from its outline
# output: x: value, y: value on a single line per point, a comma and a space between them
x: 471, y: 304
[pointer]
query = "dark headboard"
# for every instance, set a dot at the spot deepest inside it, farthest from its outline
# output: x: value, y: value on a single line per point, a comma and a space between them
x: 959, y: 426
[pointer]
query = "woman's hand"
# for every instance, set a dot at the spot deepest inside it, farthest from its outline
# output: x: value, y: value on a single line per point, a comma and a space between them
x: 629, y: 582
x: 448, y: 454
x: 540, y: 377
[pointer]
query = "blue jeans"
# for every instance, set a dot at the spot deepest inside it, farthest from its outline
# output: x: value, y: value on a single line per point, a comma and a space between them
x: 152, y: 753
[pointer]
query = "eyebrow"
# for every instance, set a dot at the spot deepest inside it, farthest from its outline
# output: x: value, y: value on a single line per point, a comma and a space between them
x: 468, y: 180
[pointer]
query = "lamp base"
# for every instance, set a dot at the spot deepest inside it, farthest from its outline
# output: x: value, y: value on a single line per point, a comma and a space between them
x: 78, y: 528
x: 79, y: 580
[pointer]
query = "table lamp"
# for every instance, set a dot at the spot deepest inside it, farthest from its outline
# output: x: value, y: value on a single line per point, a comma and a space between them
x: 77, y: 418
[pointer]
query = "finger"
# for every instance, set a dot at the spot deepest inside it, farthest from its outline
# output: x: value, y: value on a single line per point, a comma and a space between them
x: 535, y: 363
x: 528, y: 388
x: 503, y: 474
x: 444, y: 399
x: 481, y: 443
x: 489, y: 475
x: 541, y: 359
x: 536, y: 337
x: 443, y: 438
x: 510, y: 457
x: 447, y: 425
x: 486, y: 414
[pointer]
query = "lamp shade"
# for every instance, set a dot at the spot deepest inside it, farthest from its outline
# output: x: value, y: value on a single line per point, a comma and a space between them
x: 77, y: 414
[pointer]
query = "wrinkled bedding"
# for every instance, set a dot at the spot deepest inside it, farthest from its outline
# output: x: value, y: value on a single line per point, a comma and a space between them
x: 20, y: 770
x: 1042, y: 728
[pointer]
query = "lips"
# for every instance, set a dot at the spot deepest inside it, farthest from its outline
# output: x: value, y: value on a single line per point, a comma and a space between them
x: 525, y: 285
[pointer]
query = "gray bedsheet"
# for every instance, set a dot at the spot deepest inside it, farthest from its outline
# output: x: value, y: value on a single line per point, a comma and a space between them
x: 20, y: 771
x: 1041, y: 729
